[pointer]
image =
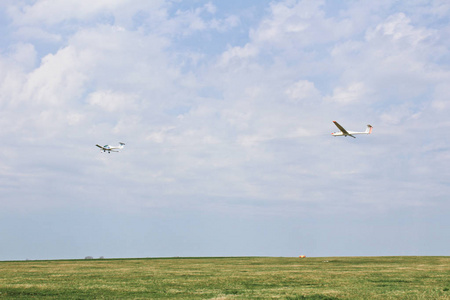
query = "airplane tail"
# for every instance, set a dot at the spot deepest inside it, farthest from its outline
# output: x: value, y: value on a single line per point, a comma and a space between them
x: 369, y: 129
x: 121, y: 145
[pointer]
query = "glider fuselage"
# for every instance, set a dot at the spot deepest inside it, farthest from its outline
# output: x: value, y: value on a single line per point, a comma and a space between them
x: 344, y: 132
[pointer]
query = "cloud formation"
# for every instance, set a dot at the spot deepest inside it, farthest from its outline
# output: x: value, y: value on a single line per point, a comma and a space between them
x: 224, y: 127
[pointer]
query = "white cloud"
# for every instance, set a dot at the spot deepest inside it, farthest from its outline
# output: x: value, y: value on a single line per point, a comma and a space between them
x: 397, y: 27
x: 52, y: 12
x: 303, y: 91
x: 238, y: 54
x: 226, y: 24
x: 30, y: 33
x: 300, y: 24
x: 24, y: 55
x: 352, y: 93
x: 59, y: 78
x: 398, y: 115
x: 112, y: 79
x: 210, y: 8
x: 440, y: 98
x: 245, y: 130
x: 197, y: 20
x: 110, y: 101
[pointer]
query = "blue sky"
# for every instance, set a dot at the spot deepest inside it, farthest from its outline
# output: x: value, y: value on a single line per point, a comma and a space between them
x: 226, y: 109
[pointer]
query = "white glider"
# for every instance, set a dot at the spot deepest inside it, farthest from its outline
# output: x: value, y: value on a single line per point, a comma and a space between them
x: 110, y: 148
x: 344, y: 132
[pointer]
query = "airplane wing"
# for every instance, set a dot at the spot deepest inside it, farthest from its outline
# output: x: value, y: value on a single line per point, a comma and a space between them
x: 340, y: 127
x: 100, y: 146
x: 345, y: 132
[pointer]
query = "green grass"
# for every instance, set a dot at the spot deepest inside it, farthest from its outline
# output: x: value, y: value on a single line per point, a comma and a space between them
x: 229, y: 278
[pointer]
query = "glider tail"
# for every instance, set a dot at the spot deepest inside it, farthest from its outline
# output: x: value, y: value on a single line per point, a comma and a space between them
x: 369, y: 129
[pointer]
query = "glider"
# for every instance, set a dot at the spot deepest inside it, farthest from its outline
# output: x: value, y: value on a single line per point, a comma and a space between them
x: 110, y: 148
x: 344, y: 132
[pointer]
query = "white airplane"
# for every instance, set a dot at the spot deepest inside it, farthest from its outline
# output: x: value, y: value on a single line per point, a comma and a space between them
x: 345, y: 133
x: 110, y: 148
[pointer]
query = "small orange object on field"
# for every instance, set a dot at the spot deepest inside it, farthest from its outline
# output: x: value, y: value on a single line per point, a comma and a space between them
x: 302, y: 256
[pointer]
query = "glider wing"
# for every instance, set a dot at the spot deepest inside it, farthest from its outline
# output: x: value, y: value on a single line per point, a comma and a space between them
x: 341, y: 128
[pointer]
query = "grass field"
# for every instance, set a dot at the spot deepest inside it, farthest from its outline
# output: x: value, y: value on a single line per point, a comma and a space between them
x: 229, y: 278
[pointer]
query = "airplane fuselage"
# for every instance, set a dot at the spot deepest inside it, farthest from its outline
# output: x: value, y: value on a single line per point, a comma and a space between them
x: 349, y: 133
x: 109, y: 148
x: 346, y: 133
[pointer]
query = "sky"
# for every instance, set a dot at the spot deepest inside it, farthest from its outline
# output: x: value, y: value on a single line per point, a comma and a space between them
x: 226, y: 109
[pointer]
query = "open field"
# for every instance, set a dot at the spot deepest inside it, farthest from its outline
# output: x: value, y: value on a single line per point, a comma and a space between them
x: 229, y: 278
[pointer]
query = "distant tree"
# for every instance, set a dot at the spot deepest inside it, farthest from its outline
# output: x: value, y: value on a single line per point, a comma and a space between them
x: 88, y: 257
x: 102, y: 257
